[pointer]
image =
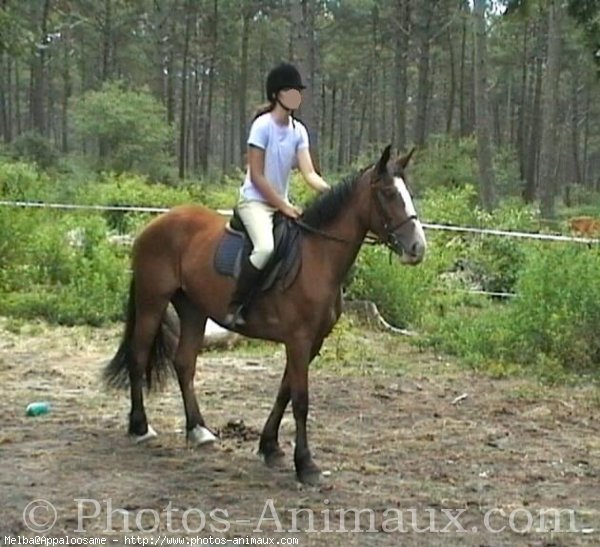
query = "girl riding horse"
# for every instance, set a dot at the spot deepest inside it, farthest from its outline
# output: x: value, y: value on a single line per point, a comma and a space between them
x: 276, y: 143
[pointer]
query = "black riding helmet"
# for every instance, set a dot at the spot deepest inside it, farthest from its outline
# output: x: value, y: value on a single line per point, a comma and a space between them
x: 281, y: 77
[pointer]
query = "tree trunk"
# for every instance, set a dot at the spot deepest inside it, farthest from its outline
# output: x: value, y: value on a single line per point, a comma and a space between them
x: 18, y: 120
x: 40, y: 75
x: 106, y: 40
x: 383, y: 133
x: 482, y: 113
x: 452, y: 90
x: 547, y: 182
x: 247, y: 14
x: 207, y: 128
x: 355, y: 115
x: 586, y: 139
x: 464, y: 131
x: 401, y: 44
x: 373, y: 87
x: 305, y: 57
x: 170, y: 76
x: 370, y: 100
x: 424, y: 17
x: 575, y: 140
x: 361, y: 126
x: 67, y: 89
x: 225, y: 128
x: 184, y: 92
x: 5, y: 79
x: 533, y: 149
x: 521, y: 133
x: 231, y: 157
x: 197, y: 104
x: 332, y: 127
x: 324, y: 113
x: 5, y: 75
x: 342, y: 144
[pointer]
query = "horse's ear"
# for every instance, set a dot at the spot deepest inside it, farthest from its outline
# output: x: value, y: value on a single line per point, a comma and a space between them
x: 403, y: 161
x: 383, y: 160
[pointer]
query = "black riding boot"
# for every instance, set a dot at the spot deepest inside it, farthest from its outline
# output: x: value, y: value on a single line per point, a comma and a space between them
x: 246, y: 284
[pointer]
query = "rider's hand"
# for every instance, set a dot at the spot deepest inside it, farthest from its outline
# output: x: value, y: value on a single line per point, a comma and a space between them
x: 292, y: 211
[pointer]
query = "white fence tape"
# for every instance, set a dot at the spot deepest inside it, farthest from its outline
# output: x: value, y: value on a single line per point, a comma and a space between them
x: 507, y: 233
x: 228, y: 212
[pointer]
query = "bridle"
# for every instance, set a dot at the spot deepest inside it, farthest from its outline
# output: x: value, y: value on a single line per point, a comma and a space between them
x: 391, y: 238
x: 389, y: 228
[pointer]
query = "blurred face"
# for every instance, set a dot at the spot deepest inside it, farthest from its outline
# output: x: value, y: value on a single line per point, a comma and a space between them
x: 290, y: 98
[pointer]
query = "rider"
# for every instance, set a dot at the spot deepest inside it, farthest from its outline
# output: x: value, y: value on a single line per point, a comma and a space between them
x: 277, y: 143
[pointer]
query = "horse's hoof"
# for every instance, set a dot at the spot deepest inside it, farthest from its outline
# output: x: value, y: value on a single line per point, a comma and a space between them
x: 200, y: 436
x: 274, y: 458
x: 310, y: 475
x: 150, y: 434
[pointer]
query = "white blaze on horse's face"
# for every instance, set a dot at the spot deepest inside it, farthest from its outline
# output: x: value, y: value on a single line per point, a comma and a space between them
x: 412, y: 235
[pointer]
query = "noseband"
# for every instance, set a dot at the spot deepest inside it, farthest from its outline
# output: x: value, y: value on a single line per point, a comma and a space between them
x: 391, y: 238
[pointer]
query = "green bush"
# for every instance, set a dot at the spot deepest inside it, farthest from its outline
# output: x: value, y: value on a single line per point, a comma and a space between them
x: 33, y: 147
x: 65, y: 270
x: 550, y: 327
x: 22, y: 181
x: 493, y: 262
x: 558, y: 313
x: 446, y: 162
x: 451, y: 163
x: 128, y: 128
x: 400, y: 292
x: 129, y: 189
x: 15, y: 230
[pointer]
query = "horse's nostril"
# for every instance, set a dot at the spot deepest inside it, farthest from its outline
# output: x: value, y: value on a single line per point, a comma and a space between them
x: 417, y: 249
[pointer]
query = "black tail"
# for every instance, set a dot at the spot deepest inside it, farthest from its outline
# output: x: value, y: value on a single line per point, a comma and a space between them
x: 160, y: 363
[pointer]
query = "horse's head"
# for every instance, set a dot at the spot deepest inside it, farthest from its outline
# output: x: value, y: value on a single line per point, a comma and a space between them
x: 394, y: 217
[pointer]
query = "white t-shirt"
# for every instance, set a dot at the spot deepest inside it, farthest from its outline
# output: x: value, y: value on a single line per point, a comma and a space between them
x: 281, y: 144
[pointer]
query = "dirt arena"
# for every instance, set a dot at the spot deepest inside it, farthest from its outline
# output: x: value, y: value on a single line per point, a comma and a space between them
x: 430, y: 453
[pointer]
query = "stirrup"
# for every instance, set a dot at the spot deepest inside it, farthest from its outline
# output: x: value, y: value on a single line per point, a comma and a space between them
x: 235, y: 318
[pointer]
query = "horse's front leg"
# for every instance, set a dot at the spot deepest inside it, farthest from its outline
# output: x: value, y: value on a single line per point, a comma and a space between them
x: 299, y: 353
x: 269, y: 446
x: 269, y: 439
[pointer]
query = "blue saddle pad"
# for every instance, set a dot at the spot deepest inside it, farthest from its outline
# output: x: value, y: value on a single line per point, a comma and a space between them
x: 228, y: 257
x: 285, y: 263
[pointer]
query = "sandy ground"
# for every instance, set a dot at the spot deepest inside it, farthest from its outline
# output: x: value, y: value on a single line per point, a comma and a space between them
x: 409, y: 438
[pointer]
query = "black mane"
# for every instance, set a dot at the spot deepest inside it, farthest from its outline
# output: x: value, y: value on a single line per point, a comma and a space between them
x: 325, y: 207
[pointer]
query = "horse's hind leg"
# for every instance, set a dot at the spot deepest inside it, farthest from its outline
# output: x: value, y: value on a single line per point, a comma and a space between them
x: 149, y: 314
x: 191, y: 337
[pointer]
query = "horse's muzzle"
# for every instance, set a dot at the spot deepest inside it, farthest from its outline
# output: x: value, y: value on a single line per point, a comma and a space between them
x: 414, y: 256
x: 410, y: 243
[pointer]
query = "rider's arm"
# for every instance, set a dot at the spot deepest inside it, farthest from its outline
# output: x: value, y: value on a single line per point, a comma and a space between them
x: 307, y: 169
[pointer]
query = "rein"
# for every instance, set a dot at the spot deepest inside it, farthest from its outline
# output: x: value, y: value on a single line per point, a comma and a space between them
x: 321, y: 233
x: 368, y: 239
x: 391, y: 240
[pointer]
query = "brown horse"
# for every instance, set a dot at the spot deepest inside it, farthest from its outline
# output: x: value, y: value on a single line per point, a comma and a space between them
x: 173, y: 263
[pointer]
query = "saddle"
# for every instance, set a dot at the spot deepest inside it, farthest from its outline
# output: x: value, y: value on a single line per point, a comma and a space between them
x: 235, y: 246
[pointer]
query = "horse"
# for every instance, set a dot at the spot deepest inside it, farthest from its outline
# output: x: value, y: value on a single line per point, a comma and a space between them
x: 585, y: 226
x: 172, y: 261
